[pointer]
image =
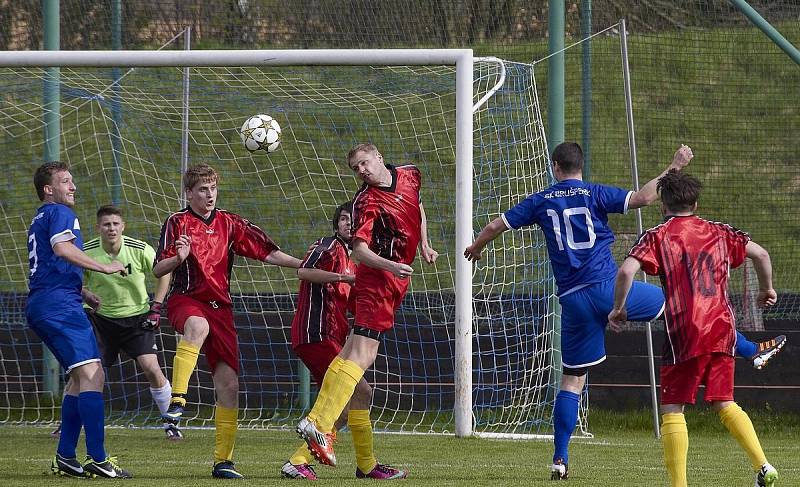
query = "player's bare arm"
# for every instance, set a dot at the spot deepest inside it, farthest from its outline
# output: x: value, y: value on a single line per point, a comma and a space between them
x: 489, y: 233
x: 183, y: 246
x: 763, y: 265
x: 363, y: 254
x: 283, y: 260
x: 90, y: 298
x: 75, y: 256
x: 427, y: 252
x: 318, y: 276
x: 622, y: 287
x: 647, y: 194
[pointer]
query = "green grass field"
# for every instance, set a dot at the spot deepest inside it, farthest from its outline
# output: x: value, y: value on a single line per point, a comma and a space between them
x: 622, y: 453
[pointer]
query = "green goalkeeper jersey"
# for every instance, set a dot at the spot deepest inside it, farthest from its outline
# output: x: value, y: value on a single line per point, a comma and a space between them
x: 121, y: 297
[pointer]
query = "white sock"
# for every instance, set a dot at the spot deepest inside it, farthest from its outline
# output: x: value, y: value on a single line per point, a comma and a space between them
x: 162, y: 396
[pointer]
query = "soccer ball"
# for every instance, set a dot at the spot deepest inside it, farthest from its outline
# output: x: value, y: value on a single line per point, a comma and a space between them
x: 261, y: 132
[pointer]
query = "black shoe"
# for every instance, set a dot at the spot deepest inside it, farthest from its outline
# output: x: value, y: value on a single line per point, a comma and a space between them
x: 66, y: 467
x: 108, y: 468
x: 225, y: 470
x: 767, y: 350
x: 174, y: 412
x: 559, y: 470
x: 172, y: 431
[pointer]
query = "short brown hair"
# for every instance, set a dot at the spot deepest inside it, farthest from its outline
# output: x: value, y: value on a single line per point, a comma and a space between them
x: 198, y: 173
x: 365, y: 147
x: 107, y: 210
x: 44, y: 175
x: 679, y: 191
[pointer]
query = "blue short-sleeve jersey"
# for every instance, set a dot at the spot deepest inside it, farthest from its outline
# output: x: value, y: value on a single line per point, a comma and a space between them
x: 573, y: 216
x: 53, y: 280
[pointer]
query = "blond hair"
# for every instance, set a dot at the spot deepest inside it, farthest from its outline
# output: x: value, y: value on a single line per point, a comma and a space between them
x: 365, y: 147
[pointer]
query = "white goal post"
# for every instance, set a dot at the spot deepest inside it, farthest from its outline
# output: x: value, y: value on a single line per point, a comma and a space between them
x: 527, y: 377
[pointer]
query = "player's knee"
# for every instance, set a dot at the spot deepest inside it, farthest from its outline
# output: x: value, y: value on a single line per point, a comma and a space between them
x: 362, y: 397
x: 89, y: 377
x: 195, y: 330
x: 573, y: 379
x: 363, y: 348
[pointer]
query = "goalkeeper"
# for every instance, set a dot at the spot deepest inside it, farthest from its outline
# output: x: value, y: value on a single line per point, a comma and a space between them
x: 319, y: 331
x: 122, y: 317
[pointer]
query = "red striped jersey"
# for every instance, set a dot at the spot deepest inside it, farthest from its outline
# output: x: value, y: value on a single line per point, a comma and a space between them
x: 388, y: 219
x: 693, y: 258
x: 206, y: 274
x: 321, y: 308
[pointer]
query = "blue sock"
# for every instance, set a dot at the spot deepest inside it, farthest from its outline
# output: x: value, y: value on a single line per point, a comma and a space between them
x: 744, y: 347
x: 70, y: 427
x: 93, y: 416
x: 565, y: 417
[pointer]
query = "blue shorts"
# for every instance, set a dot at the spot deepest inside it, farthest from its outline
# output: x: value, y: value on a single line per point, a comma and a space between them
x: 584, y: 316
x: 69, y: 335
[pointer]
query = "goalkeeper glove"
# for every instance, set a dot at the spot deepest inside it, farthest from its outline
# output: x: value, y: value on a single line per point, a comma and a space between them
x: 151, y: 321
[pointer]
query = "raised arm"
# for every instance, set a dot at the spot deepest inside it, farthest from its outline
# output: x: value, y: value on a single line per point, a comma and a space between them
x: 763, y: 265
x: 75, y: 256
x: 622, y: 287
x: 183, y: 246
x: 647, y: 194
x: 425, y: 249
x: 363, y: 254
x: 489, y: 233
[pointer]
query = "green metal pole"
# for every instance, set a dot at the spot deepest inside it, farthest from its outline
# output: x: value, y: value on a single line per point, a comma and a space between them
x: 586, y: 86
x: 305, y: 386
x: 555, y: 136
x: 767, y: 29
x: 116, y: 108
x: 555, y: 74
x: 52, y: 152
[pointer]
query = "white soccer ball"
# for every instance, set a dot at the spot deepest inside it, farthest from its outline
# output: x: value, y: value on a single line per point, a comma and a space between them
x: 261, y: 132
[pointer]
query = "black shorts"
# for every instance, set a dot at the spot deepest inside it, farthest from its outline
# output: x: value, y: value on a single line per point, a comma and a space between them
x: 126, y: 334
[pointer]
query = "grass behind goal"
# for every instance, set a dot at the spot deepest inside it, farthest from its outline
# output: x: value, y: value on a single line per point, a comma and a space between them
x: 623, y: 453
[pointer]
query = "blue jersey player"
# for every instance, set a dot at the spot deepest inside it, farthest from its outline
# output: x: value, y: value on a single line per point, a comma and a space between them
x: 573, y: 216
x: 55, y: 313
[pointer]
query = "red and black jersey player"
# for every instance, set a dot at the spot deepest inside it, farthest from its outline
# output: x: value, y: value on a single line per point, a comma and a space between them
x: 197, y: 246
x: 319, y: 331
x: 693, y: 258
x: 388, y: 226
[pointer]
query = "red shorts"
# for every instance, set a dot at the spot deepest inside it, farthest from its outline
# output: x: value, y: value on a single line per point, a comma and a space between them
x: 378, y: 294
x: 318, y: 356
x: 221, y: 342
x: 679, y: 382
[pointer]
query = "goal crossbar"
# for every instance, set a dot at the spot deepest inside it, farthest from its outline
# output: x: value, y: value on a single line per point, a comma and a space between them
x: 232, y: 58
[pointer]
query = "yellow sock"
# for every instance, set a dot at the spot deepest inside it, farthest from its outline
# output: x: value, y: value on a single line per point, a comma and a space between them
x: 337, y: 387
x: 226, y: 423
x: 301, y: 455
x: 361, y: 428
x: 182, y: 367
x: 741, y: 428
x: 675, y: 437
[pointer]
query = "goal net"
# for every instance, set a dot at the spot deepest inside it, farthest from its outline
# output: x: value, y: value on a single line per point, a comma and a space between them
x: 124, y: 146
